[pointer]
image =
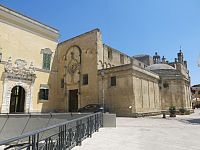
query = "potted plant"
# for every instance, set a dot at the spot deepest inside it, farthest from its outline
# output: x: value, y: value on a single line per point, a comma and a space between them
x: 182, y: 111
x: 172, y: 111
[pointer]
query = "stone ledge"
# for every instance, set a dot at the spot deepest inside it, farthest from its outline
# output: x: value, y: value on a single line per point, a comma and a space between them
x: 135, y: 115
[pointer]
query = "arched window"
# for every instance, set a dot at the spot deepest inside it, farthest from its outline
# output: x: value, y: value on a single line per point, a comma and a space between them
x: 105, y: 65
x: 109, y: 65
x: 101, y: 63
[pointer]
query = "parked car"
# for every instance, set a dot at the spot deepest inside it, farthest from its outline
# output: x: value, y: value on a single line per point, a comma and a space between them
x: 91, y: 108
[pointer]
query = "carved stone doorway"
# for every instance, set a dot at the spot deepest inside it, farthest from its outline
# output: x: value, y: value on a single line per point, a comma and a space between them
x: 9, y: 85
x: 73, y: 100
x: 17, y: 77
x: 17, y: 99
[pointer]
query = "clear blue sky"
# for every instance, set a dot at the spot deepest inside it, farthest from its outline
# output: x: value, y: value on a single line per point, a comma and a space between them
x: 132, y: 26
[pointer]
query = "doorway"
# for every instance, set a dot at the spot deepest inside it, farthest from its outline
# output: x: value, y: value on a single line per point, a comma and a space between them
x: 73, y: 100
x: 17, y: 99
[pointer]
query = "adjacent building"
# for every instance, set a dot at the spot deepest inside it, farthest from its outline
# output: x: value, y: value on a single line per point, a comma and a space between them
x: 195, y: 90
x: 27, y: 49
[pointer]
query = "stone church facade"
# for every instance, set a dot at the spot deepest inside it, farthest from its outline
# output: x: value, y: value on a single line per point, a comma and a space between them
x: 38, y: 74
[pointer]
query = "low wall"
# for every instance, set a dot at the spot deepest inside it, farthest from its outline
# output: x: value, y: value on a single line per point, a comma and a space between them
x: 109, y: 120
x: 12, y: 125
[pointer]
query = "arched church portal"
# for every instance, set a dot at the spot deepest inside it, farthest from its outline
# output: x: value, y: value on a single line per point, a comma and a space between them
x: 17, y: 99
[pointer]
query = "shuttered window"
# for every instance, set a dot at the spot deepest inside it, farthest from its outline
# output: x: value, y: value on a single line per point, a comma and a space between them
x: 46, y: 61
x: 110, y: 54
x: 85, y: 79
x: 62, y: 83
x: 113, y: 81
x: 44, y: 94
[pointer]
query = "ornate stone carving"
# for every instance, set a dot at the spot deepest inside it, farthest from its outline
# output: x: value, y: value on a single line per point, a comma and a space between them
x: 19, y: 70
x: 8, y: 65
x: 73, y: 65
x: 72, y: 60
x: 18, y: 74
x: 31, y: 69
x: 20, y: 63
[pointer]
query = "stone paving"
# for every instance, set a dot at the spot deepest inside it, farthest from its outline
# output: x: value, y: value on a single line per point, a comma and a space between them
x: 149, y: 133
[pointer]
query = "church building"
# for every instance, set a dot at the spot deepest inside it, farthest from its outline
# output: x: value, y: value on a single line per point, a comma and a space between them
x: 39, y: 74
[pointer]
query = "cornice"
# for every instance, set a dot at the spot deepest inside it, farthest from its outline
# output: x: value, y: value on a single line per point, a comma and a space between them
x: 145, y: 72
x: 21, y: 21
x: 79, y: 36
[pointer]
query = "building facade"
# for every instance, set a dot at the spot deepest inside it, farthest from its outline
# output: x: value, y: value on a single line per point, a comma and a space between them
x: 25, y: 44
x: 38, y: 74
x: 195, y: 90
x: 174, y: 83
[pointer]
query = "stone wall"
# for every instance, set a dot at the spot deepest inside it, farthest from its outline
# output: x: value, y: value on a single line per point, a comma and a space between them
x: 112, y: 60
x: 87, y: 44
x: 135, y: 91
x: 146, y: 59
x: 174, y: 89
x: 146, y: 93
x: 176, y: 93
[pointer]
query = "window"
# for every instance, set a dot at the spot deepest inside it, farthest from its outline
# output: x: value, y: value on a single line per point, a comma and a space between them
x: 47, y: 53
x: 46, y: 61
x: 62, y: 83
x: 165, y: 85
x: 44, y: 94
x: 85, y: 79
x: 110, y: 54
x: 121, y: 58
x: 113, y: 81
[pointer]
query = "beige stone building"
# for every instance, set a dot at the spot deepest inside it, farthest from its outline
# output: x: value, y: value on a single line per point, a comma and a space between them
x: 38, y: 74
x: 25, y: 44
x: 195, y: 90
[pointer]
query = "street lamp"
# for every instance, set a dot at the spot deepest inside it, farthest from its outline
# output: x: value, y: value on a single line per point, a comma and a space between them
x: 0, y: 54
x: 65, y: 89
x: 102, y: 84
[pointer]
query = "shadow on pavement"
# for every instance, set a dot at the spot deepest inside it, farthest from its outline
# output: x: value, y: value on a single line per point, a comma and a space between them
x: 191, y: 121
x: 194, y: 121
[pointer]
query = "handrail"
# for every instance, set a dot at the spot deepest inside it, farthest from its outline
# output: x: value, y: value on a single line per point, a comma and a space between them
x: 28, y: 134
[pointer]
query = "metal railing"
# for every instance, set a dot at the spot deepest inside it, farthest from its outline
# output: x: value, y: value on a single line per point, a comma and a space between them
x: 62, y: 136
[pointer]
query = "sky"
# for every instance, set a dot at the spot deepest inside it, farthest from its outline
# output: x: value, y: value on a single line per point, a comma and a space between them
x: 131, y: 26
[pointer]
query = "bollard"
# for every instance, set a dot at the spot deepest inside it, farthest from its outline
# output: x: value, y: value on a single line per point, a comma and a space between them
x: 164, y: 116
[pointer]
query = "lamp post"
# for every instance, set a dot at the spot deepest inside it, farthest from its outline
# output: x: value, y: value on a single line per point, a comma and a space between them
x: 0, y: 54
x: 65, y: 89
x: 102, y: 84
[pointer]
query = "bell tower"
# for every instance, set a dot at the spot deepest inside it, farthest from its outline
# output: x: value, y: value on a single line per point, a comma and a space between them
x: 156, y: 58
x: 180, y: 56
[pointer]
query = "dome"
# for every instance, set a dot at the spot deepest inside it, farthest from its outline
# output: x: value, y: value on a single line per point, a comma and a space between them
x: 160, y: 67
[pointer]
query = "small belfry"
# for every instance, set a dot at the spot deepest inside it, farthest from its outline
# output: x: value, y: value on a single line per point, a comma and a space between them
x: 156, y: 58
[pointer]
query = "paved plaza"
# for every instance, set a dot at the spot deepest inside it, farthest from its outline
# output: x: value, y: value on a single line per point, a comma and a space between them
x: 149, y: 133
